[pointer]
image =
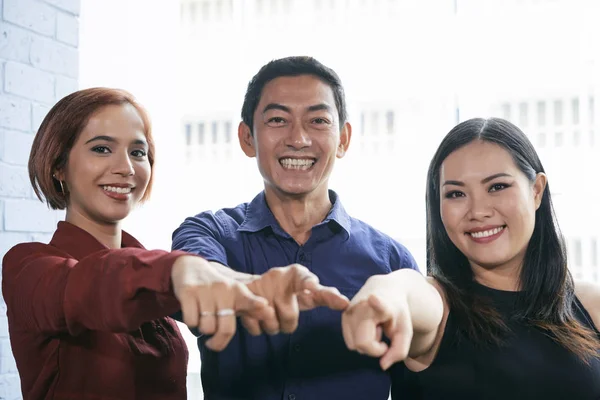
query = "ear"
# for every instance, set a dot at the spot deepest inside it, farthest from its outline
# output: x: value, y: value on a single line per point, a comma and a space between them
x: 246, y: 140
x: 59, y: 175
x: 539, y: 186
x: 345, y: 136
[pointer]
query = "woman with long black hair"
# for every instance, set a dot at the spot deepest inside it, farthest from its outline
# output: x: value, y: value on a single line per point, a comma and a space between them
x: 499, y: 315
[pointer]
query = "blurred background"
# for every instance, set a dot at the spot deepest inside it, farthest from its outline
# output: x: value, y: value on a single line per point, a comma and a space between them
x: 412, y: 69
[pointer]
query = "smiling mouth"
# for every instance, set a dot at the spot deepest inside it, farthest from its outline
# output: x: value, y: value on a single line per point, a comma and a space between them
x: 301, y: 164
x: 118, y: 190
x: 487, y: 233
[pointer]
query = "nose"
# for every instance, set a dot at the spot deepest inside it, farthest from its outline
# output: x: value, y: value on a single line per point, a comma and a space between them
x: 480, y: 208
x: 123, y: 165
x: 298, y: 137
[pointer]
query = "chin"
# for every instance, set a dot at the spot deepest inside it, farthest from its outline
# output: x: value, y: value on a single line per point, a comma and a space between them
x: 296, y: 190
x: 489, y: 262
x: 115, y: 217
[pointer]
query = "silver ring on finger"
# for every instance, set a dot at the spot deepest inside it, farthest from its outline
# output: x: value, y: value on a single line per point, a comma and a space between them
x: 225, y: 312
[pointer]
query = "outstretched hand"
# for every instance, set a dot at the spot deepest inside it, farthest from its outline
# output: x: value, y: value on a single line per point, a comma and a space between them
x: 210, y: 300
x: 289, y: 290
x: 366, y: 321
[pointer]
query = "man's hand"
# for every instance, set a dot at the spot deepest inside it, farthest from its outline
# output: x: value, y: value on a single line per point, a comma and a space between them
x: 289, y: 290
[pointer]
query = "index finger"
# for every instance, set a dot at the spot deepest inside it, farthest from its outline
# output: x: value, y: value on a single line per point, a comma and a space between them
x: 248, y: 303
x: 303, y: 279
x: 329, y: 297
x: 365, y: 322
x: 400, y: 332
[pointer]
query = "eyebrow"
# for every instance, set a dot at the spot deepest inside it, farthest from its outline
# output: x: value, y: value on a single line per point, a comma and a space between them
x: 276, y: 106
x: 484, y: 180
x: 320, y: 107
x: 281, y: 107
x: 113, y: 140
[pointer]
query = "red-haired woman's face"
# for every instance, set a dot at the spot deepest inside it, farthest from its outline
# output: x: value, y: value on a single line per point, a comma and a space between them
x: 108, y: 169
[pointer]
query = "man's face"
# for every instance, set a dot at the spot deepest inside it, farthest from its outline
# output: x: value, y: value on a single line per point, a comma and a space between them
x: 297, y: 135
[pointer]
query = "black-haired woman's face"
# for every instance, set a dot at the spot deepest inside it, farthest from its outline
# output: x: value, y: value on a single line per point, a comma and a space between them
x: 488, y: 205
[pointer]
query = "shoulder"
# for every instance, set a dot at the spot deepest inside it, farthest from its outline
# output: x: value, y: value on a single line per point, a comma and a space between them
x: 367, y: 233
x: 25, y: 249
x: 588, y: 294
x: 399, y: 256
x: 232, y: 214
x: 21, y: 253
x: 223, y: 219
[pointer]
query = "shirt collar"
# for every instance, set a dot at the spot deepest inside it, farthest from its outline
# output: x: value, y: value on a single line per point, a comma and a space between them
x: 259, y: 216
x: 79, y: 243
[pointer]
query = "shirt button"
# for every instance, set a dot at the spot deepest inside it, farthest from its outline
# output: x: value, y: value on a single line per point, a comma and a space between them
x: 292, y: 396
x: 302, y: 257
x: 297, y: 347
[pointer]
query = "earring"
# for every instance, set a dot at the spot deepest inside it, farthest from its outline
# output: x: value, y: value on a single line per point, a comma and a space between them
x: 62, y: 189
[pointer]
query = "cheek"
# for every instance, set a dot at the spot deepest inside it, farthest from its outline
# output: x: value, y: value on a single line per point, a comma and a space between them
x: 528, y: 218
x: 450, y: 217
x: 332, y: 142
x: 265, y: 148
x: 143, y: 173
x: 520, y: 210
x: 80, y: 174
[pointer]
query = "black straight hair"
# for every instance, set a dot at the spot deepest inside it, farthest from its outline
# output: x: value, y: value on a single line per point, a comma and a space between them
x: 547, y: 289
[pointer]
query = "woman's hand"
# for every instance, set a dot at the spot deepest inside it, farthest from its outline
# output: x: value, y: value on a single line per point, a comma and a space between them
x: 210, y: 300
x: 403, y: 306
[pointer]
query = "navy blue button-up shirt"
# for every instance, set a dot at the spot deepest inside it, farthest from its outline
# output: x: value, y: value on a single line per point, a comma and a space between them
x: 313, y: 362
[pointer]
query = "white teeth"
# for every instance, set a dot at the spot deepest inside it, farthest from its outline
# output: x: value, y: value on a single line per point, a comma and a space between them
x: 295, y: 163
x: 486, y: 233
x: 117, y: 189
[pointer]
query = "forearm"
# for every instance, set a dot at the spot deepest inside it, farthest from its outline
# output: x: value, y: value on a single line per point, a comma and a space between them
x: 120, y: 291
x: 111, y: 290
x: 425, y: 303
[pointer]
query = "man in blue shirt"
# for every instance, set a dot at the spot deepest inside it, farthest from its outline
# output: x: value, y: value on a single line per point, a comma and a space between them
x: 294, y: 124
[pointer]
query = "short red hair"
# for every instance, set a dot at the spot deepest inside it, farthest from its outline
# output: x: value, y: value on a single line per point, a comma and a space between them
x: 61, y: 128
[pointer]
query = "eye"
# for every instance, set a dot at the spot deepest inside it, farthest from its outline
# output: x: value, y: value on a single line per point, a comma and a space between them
x: 138, y: 153
x: 276, y: 121
x: 321, y: 121
x: 498, y: 186
x: 454, y: 194
x: 101, y: 149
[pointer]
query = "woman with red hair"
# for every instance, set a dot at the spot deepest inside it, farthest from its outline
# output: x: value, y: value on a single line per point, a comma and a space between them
x: 88, y: 312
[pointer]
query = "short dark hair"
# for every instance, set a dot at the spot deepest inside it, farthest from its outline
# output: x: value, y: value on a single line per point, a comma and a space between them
x: 292, y: 66
x: 59, y: 131
x: 547, y: 288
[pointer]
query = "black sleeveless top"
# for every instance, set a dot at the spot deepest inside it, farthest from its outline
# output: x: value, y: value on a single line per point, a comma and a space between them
x: 529, y: 366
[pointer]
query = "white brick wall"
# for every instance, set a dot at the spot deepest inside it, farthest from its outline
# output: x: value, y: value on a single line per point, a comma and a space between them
x: 14, y: 147
x: 38, y: 66
x: 29, y: 82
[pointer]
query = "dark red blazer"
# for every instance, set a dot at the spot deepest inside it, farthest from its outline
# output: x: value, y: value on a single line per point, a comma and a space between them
x: 88, y: 322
